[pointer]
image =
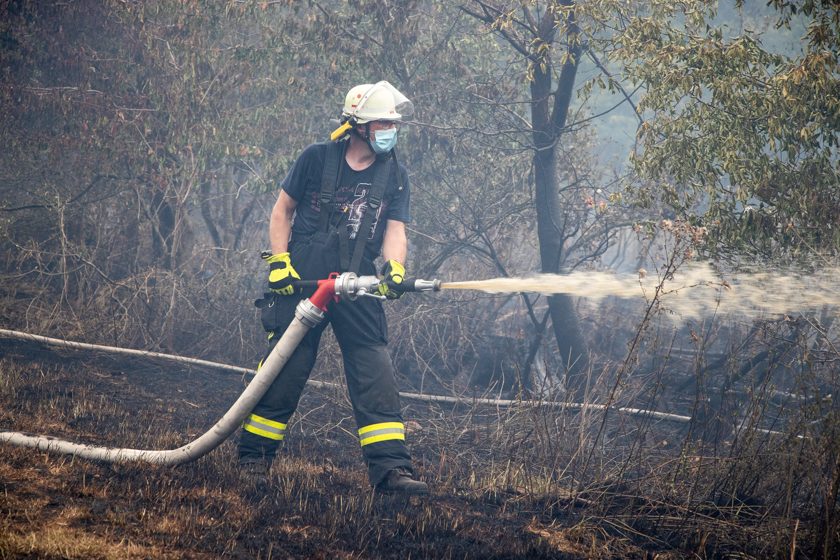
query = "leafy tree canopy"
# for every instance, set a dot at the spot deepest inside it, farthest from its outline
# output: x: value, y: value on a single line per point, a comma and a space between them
x: 739, y: 139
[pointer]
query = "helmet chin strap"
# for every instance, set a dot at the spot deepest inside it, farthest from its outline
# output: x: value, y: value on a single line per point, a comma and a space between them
x: 365, y: 137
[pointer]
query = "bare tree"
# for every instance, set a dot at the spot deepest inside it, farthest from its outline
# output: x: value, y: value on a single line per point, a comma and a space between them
x: 535, y: 34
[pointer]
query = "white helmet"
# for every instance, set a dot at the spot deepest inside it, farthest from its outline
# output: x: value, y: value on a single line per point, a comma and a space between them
x: 371, y: 102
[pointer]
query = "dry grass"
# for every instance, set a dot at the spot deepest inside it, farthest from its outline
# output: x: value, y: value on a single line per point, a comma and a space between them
x: 507, y: 483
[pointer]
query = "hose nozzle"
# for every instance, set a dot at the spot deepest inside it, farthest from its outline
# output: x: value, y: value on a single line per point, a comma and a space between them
x: 418, y: 285
x: 350, y: 286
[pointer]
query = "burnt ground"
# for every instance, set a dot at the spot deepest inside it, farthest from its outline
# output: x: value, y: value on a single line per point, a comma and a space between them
x: 488, y: 500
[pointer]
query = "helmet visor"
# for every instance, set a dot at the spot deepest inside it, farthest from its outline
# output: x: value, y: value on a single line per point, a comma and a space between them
x: 404, y: 107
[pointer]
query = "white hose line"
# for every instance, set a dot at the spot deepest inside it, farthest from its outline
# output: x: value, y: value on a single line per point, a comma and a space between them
x: 205, y: 443
x: 18, y: 335
x: 666, y: 416
x: 189, y: 452
x: 552, y: 404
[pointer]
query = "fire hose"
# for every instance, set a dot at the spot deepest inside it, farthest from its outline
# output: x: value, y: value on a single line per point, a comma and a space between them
x: 309, y: 313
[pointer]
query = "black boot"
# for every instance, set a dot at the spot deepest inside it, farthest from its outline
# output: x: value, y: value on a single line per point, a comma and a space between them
x: 400, y: 480
x: 254, y: 471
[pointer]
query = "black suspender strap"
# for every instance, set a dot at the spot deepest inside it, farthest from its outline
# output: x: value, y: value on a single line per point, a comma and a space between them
x: 330, y: 178
x: 329, y: 182
x: 374, y: 201
x: 396, y: 164
x: 344, y: 247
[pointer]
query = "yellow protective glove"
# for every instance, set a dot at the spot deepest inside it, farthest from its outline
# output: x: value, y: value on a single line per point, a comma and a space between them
x: 281, y: 273
x: 393, y: 274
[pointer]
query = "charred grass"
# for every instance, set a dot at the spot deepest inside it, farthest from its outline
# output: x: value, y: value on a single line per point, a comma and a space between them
x: 525, y: 482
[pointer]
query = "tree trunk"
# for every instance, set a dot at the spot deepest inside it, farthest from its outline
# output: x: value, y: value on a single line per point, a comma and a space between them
x: 163, y: 229
x: 548, y: 123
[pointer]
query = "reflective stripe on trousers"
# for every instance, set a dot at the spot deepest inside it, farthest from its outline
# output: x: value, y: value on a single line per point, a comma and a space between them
x: 383, y: 431
x: 264, y: 427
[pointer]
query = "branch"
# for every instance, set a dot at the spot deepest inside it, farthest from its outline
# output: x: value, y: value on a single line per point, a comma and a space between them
x: 620, y: 87
x: 565, y: 88
x: 602, y: 113
x: 87, y: 189
x: 532, y: 23
x: 487, y: 18
x: 45, y: 90
x: 207, y: 215
x: 499, y: 13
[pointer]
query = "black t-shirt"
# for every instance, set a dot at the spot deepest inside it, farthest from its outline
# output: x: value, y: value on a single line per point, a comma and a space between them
x: 303, y: 184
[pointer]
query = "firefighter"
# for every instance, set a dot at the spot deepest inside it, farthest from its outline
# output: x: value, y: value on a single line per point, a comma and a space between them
x: 341, y: 205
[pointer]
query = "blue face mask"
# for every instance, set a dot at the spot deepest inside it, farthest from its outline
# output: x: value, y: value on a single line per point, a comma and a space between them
x: 384, y: 140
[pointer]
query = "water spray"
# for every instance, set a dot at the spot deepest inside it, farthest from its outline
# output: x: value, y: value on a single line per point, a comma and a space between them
x: 694, y: 291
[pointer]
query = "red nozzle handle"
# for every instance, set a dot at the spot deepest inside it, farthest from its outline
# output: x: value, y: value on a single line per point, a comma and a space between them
x: 305, y: 287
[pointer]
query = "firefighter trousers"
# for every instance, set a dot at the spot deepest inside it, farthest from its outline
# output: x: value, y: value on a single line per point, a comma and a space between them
x: 361, y: 331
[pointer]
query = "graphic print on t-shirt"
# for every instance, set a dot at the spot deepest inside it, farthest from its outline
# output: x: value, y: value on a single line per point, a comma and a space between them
x: 356, y: 211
